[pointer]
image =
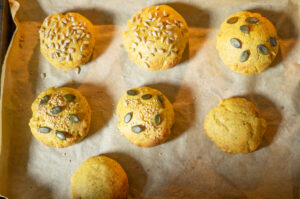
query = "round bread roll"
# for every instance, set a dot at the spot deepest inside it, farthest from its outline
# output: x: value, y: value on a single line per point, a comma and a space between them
x: 99, y: 177
x: 145, y: 116
x: 67, y: 41
x: 60, y: 117
x: 247, y: 43
x: 235, y: 125
x: 156, y: 37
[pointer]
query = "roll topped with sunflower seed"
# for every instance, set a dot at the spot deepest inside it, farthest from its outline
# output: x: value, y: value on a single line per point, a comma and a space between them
x: 60, y: 117
x: 145, y: 116
x: 156, y: 37
x: 247, y: 43
x: 67, y: 40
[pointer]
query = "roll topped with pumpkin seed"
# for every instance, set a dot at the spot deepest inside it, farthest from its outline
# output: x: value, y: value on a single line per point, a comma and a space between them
x: 247, y: 43
x: 67, y: 40
x: 145, y: 116
x: 156, y: 37
x: 60, y: 117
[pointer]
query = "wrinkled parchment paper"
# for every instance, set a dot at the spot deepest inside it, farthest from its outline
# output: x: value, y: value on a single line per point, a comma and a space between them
x: 188, y: 165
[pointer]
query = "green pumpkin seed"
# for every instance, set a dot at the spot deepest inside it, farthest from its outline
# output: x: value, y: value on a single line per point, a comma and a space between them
x: 245, y: 29
x: 232, y: 20
x: 146, y: 97
x: 137, y: 129
x: 56, y: 109
x: 128, y: 117
x: 252, y: 20
x: 73, y: 118
x: 235, y: 43
x: 263, y: 49
x: 69, y: 97
x: 160, y: 99
x: 60, y: 135
x: 132, y: 92
x: 44, y: 130
x: 44, y: 99
x: 273, y: 41
x: 244, y: 56
x: 157, y: 119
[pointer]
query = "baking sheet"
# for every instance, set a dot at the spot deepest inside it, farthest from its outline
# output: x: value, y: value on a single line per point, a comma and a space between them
x: 188, y: 165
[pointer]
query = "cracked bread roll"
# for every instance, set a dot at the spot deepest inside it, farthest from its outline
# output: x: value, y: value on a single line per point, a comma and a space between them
x: 60, y: 117
x: 156, y: 37
x: 235, y: 125
x: 67, y: 40
x: 99, y: 177
x: 145, y: 116
x: 247, y: 43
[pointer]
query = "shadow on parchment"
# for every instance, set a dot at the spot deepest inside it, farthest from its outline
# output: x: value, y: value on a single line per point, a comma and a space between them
x: 195, y: 18
x: 137, y: 176
x: 285, y: 26
x: 270, y: 113
x: 184, y: 106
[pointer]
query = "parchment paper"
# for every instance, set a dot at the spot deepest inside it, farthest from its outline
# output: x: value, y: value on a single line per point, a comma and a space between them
x: 188, y: 165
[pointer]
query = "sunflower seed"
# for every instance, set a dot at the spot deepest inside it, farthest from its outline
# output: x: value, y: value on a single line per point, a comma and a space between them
x: 60, y: 135
x: 146, y: 24
x: 160, y: 50
x: 263, y: 49
x: 252, y: 20
x: 232, y: 20
x: 132, y: 92
x: 245, y: 29
x: 137, y: 129
x: 69, y: 97
x: 73, y: 118
x: 44, y: 130
x: 147, y: 65
x: 165, y: 13
x: 157, y: 119
x: 146, y: 96
x: 244, y: 56
x: 273, y: 41
x: 235, y: 43
x: 139, y: 55
x: 45, y: 99
x: 128, y: 117
x: 55, y: 110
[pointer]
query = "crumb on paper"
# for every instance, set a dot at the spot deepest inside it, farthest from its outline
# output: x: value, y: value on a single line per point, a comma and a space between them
x: 43, y: 75
x: 78, y: 69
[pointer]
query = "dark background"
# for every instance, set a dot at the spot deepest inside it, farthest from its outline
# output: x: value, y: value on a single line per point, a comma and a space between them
x: 7, y: 28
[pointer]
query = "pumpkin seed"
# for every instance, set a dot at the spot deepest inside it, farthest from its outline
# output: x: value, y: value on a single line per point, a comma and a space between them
x: 137, y: 128
x: 60, y: 135
x: 44, y: 130
x: 69, y: 97
x: 160, y: 99
x: 132, y: 92
x: 73, y: 118
x: 273, y: 41
x: 128, y: 117
x: 55, y: 110
x: 244, y: 56
x: 44, y: 99
x: 232, y: 20
x: 146, y: 97
x: 245, y: 29
x: 157, y: 119
x: 263, y: 49
x: 235, y: 43
x: 252, y: 20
